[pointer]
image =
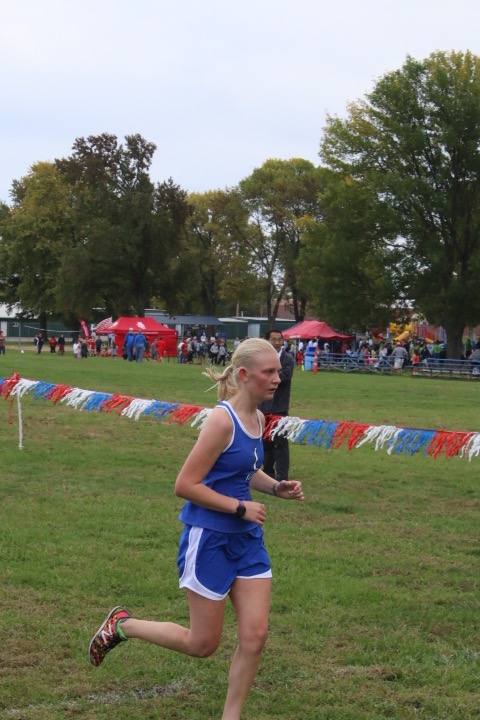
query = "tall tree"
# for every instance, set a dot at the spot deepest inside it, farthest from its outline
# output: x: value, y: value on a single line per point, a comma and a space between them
x: 346, y: 261
x: 8, y: 280
x: 281, y: 195
x: 33, y: 236
x: 218, y: 257
x: 127, y: 231
x: 414, y: 145
x: 172, y: 211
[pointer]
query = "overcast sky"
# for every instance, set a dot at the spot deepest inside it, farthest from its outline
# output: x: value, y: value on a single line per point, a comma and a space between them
x: 219, y: 86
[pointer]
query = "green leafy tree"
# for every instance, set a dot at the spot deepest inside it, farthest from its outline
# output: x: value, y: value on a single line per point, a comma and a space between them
x: 346, y: 261
x: 88, y: 278
x: 218, y: 259
x: 33, y: 234
x: 414, y: 145
x: 8, y: 281
x: 172, y: 211
x: 280, y: 196
x: 128, y: 232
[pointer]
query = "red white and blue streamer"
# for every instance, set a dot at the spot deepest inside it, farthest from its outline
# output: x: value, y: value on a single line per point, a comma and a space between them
x: 322, y: 433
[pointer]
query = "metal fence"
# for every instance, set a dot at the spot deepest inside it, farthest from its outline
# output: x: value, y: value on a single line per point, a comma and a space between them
x: 432, y: 367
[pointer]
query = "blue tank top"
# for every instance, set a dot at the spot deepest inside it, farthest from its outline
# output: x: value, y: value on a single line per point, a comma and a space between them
x: 230, y: 476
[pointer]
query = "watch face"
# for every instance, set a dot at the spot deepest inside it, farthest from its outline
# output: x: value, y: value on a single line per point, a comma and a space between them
x: 240, y: 511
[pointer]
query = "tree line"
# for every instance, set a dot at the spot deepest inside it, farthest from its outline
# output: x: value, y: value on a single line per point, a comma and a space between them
x: 387, y: 224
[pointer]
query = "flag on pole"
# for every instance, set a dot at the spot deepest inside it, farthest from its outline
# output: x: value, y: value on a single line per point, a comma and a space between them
x: 85, y: 328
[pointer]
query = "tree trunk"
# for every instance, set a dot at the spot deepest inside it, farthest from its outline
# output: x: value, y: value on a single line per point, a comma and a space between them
x: 42, y: 319
x: 140, y: 303
x: 455, y: 349
x: 208, y: 293
x: 299, y: 303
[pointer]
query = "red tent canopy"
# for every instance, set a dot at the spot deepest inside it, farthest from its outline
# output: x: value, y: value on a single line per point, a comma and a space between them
x: 309, y: 329
x: 148, y: 326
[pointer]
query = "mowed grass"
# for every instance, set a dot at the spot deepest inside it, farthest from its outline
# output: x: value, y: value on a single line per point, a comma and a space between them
x: 376, y: 576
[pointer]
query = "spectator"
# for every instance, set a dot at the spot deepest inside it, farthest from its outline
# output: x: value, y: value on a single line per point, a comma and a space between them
x: 61, y: 344
x: 222, y: 353
x: 190, y: 350
x: 400, y: 356
x: 382, y: 356
x: 139, y: 345
x: 213, y: 352
x: 436, y: 350
x: 424, y: 354
x: 202, y: 349
x: 475, y: 361
x: 415, y: 360
x: 276, y: 451
x: 2, y: 343
x: 160, y: 348
x: 153, y: 351
x: 180, y: 351
x: 129, y: 343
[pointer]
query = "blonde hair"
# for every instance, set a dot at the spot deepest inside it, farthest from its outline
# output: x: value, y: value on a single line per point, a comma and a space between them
x: 244, y: 356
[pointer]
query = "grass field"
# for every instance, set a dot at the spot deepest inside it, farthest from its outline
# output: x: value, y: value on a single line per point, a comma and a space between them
x: 375, y: 609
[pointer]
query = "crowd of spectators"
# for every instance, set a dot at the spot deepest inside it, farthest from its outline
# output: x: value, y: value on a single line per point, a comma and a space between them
x: 379, y: 353
x: 192, y: 348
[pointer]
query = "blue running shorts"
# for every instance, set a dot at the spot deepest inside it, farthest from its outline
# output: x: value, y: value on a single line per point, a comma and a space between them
x: 209, y: 562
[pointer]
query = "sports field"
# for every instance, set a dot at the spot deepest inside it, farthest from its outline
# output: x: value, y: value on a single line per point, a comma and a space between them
x: 376, y: 601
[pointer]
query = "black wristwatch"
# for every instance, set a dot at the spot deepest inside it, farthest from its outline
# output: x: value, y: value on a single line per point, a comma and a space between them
x: 241, y: 510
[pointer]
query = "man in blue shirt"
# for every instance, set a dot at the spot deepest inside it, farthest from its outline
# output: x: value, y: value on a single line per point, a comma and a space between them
x: 129, y: 343
x: 139, y: 346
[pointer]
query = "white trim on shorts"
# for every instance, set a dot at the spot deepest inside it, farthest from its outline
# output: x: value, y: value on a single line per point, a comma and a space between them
x: 189, y: 579
x: 260, y: 576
